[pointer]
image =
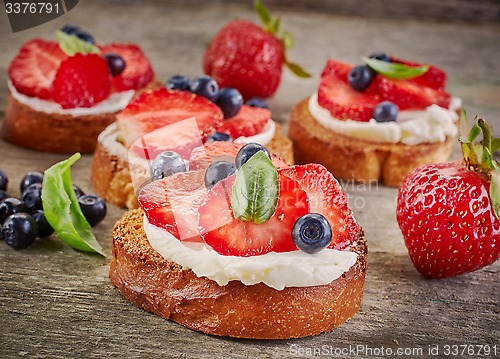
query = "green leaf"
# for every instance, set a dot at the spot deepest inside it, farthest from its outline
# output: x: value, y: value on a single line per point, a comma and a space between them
x: 474, y: 132
x: 264, y: 14
x: 62, y: 209
x: 298, y: 70
x: 275, y: 25
x: 395, y: 70
x: 288, y: 40
x: 72, y: 45
x: 495, y: 191
x: 495, y: 144
x: 256, y: 190
x: 464, y: 126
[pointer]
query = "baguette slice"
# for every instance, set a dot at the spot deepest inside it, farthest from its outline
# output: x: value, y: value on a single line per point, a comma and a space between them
x: 257, y: 311
x: 357, y: 159
x: 111, y: 179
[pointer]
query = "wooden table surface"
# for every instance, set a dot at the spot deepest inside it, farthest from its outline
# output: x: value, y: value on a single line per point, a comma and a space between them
x: 57, y: 302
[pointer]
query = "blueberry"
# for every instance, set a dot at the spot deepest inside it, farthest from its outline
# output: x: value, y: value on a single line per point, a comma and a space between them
x: 360, y: 77
x: 385, y: 112
x: 93, y: 208
x: 44, y: 228
x: 4, y: 181
x: 32, y: 197
x: 10, y: 206
x: 78, y: 191
x: 257, y: 102
x: 166, y: 164
x: 30, y: 178
x: 229, y: 101
x: 3, y: 195
x: 116, y: 63
x: 83, y: 35
x: 248, y: 151
x: 70, y: 29
x: 380, y: 56
x: 19, y: 230
x: 205, y: 86
x: 177, y: 82
x: 218, y: 136
x: 217, y: 171
x: 311, y: 233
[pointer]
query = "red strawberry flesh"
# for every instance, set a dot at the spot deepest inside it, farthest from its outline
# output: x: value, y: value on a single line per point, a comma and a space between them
x: 249, y: 121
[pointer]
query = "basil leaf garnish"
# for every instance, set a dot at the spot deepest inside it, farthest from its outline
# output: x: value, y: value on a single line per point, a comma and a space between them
x: 395, y: 70
x: 256, y: 190
x: 72, y: 45
x: 62, y: 210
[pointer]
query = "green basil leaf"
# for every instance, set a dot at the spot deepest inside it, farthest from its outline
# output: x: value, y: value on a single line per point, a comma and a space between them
x: 62, y: 209
x: 256, y: 190
x: 72, y: 45
x: 395, y: 70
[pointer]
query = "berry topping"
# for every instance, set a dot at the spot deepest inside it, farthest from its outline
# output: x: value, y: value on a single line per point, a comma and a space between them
x: 218, y: 136
x: 311, y: 233
x: 93, y: 208
x: 3, y: 195
x: 434, y: 77
x: 34, y: 68
x: 178, y: 82
x: 19, y: 230
x: 10, y: 206
x: 448, y: 212
x: 69, y: 29
x: 44, y: 228
x: 250, y: 58
x: 360, y: 77
x: 166, y: 164
x: 205, y: 86
x: 82, y: 81
x: 83, y: 35
x: 228, y: 235
x: 32, y: 197
x: 385, y: 112
x: 116, y: 63
x: 152, y: 110
x: 4, y: 181
x: 247, y: 151
x: 78, y: 191
x: 257, y: 102
x: 30, y: 178
x: 138, y: 71
x: 229, y: 101
x: 249, y: 121
x: 340, y: 99
x: 380, y: 56
x: 218, y: 171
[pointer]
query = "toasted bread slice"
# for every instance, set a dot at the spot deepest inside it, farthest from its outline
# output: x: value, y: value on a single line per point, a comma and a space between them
x: 257, y: 311
x: 357, y: 159
x: 111, y: 179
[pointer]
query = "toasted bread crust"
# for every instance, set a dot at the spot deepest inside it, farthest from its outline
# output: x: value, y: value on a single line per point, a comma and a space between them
x: 111, y: 179
x: 52, y: 132
x: 237, y: 310
x: 357, y: 159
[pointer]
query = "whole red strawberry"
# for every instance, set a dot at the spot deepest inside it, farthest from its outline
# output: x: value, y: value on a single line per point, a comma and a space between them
x: 249, y: 58
x: 448, y: 213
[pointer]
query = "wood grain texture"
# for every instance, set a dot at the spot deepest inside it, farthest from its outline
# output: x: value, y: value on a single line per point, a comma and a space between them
x: 59, y: 303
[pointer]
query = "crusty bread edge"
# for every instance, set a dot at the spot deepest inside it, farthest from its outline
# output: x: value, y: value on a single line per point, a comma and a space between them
x: 357, y: 159
x: 237, y: 310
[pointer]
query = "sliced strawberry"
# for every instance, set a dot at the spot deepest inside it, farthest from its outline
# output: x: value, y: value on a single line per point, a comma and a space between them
x: 138, y: 71
x: 154, y: 109
x: 211, y: 152
x: 249, y: 121
x: 172, y: 203
x: 337, y: 96
x: 434, y: 77
x: 327, y: 198
x: 230, y: 236
x: 408, y: 94
x: 34, y: 68
x: 82, y: 81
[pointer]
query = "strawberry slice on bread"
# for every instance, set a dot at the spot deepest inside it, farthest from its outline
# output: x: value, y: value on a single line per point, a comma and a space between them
x: 249, y: 121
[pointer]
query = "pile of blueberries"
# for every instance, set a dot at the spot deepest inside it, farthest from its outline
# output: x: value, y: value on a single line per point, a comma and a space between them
x: 228, y: 99
x: 361, y: 76
x: 22, y: 219
x: 116, y: 63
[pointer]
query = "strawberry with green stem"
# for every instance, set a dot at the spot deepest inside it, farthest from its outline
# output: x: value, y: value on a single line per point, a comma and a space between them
x: 250, y: 58
x: 448, y: 212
